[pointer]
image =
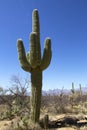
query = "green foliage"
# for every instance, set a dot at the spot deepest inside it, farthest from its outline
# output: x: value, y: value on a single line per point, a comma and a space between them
x: 34, y: 63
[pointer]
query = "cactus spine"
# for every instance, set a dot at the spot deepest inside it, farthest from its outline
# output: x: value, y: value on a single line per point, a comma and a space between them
x: 33, y: 62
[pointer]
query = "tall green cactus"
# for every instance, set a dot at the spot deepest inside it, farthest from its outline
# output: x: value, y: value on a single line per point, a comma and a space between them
x: 34, y: 63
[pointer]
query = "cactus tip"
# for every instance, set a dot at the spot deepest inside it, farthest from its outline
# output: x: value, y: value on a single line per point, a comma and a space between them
x: 35, y: 10
x: 19, y: 40
x: 48, y: 38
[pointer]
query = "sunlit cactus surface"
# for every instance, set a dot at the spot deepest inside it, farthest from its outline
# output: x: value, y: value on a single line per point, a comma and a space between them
x: 34, y: 63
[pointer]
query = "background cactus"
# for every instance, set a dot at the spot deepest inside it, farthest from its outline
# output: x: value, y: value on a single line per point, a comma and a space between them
x: 33, y: 62
x: 73, y: 89
x: 80, y: 89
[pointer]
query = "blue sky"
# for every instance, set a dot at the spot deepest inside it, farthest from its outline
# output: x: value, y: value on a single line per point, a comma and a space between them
x: 64, y: 21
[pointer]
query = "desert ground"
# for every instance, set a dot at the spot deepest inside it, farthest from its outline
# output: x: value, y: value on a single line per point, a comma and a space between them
x: 64, y: 112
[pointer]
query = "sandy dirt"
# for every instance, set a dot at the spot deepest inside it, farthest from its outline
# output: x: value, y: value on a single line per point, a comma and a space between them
x: 4, y: 125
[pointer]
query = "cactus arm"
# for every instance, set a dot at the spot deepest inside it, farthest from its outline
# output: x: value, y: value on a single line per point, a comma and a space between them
x: 46, y: 55
x: 33, y: 51
x: 22, y: 56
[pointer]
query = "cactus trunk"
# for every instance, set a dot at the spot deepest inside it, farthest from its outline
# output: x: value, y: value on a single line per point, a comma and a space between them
x: 36, y: 92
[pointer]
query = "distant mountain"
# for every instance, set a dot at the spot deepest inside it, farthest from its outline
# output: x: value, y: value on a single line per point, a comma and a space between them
x: 58, y: 91
x: 84, y: 90
x: 64, y: 91
x: 55, y: 91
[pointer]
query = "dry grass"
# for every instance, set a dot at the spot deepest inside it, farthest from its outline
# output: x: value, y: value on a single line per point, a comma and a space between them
x: 55, y: 108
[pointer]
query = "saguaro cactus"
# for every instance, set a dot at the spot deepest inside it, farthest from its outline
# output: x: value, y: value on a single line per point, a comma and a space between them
x: 34, y: 63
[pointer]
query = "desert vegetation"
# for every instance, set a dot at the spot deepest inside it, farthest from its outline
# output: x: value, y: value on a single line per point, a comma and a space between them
x: 57, y: 110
